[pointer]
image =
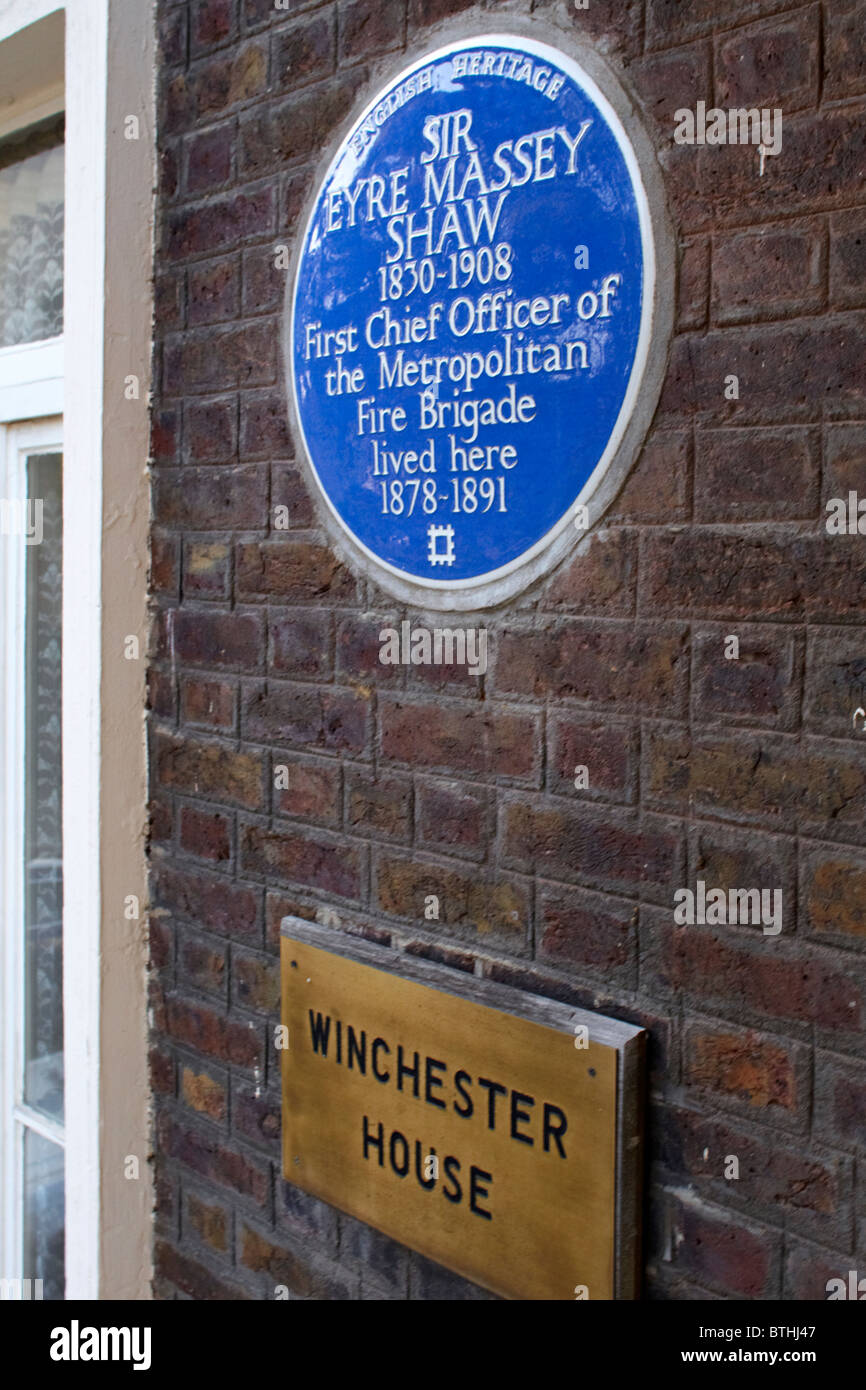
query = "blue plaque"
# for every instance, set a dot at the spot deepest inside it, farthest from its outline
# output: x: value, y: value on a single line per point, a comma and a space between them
x: 470, y: 317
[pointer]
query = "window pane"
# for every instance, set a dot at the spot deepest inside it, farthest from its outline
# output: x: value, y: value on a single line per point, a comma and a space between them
x: 44, y: 1214
x: 31, y: 241
x: 43, y: 834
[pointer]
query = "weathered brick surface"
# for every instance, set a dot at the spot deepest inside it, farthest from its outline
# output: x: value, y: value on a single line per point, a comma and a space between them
x: 406, y: 785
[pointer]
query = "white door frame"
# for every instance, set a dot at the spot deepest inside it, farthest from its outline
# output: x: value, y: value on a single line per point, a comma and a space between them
x: 16, y: 443
x: 109, y: 62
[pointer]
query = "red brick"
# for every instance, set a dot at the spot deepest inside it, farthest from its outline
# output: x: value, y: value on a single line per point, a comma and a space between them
x: 213, y: 1160
x: 840, y: 1100
x: 368, y: 30
x: 765, y: 979
x: 302, y: 645
x: 161, y: 694
x: 257, y: 12
x: 330, y: 719
x: 668, y: 23
x: 608, y: 751
x: 220, y: 83
x: 264, y: 283
x: 602, y: 849
x: 453, y: 816
x: 378, y: 806
x: 756, y: 474
x: 292, y: 569
x: 771, y: 273
x: 772, y: 779
x: 294, y: 129
x: 255, y: 982
x: 600, y: 579
x: 205, y: 834
x: 835, y: 682
x: 313, y: 792
x: 214, y: 292
x: 175, y: 111
x: 844, y: 51
x: 612, y: 24
x: 196, y: 768
x: 164, y: 435
x: 328, y: 865
x: 668, y: 81
x: 213, y: 21
x: 161, y: 1071
x: 773, y: 366
x: 192, y: 1278
x: 724, y: 1251
x: 761, y: 685
x: 818, y: 169
x: 206, y: 1031
x: 234, y: 641
x: 848, y: 257
x: 596, y: 935
x: 211, y: 703
x: 693, y: 283
x: 265, y: 432
x: 160, y: 940
x: 168, y: 176
x: 773, y: 64
x: 723, y: 857
x: 809, y: 1269
x: 760, y: 1074
x: 168, y: 303
x: 467, y: 903
x: 278, y: 906
x: 257, y: 1118
x: 211, y: 431
x: 811, y: 1192
x: 209, y: 159
x: 656, y: 489
x: 172, y: 37
x: 304, y: 51
x: 833, y: 893
x: 633, y: 666
x: 213, y: 499
x: 220, y: 223
x: 844, y: 463
x: 358, y: 649
x: 460, y: 738
x: 220, y: 359
x: 209, y: 1221
x: 202, y: 964
x: 164, y: 566
x: 204, y: 1093
x: 777, y: 573
x: 279, y: 1265
x: 226, y: 908
x: 206, y: 571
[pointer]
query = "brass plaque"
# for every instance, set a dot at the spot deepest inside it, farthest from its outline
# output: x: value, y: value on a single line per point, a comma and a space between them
x: 498, y: 1134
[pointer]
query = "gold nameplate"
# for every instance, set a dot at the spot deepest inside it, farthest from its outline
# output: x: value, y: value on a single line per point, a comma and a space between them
x: 498, y: 1134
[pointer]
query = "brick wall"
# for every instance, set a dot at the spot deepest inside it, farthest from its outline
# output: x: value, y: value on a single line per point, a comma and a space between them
x: 741, y: 772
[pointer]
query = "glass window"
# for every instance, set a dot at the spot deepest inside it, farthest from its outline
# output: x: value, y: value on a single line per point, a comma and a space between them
x: 31, y: 235
x: 43, y: 824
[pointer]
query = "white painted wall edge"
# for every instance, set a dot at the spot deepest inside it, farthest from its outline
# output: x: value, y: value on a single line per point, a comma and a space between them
x: 84, y: 284
x: 109, y: 198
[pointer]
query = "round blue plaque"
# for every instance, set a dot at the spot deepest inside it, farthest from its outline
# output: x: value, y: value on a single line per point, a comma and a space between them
x: 470, y: 318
